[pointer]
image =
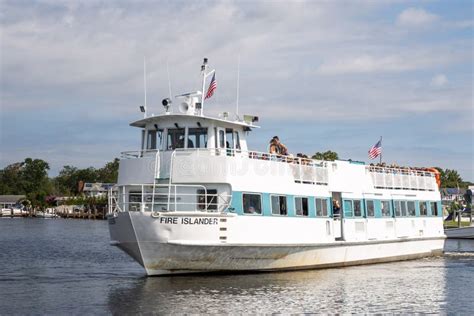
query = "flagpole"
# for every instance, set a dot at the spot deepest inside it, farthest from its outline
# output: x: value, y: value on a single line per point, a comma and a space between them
x: 144, y: 85
x: 381, y: 150
x: 203, y: 69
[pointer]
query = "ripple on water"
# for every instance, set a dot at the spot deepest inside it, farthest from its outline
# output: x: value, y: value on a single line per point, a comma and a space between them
x: 68, y: 266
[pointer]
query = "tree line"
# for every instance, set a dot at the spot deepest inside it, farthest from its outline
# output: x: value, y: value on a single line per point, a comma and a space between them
x: 30, y: 178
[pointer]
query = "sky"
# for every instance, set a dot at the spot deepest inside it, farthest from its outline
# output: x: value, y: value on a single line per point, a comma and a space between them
x: 322, y: 75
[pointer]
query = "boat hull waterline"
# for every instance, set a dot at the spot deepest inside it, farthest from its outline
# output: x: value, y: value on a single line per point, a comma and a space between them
x: 159, y: 257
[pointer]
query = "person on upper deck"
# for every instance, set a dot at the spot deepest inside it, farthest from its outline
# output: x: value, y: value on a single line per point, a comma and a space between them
x: 276, y: 147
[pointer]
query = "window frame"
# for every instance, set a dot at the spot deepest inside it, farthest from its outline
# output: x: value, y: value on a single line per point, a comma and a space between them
x: 197, y: 140
x: 352, y: 213
x: 387, y: 202
x: 423, y: 205
x: 261, y: 203
x: 367, y: 208
x: 279, y: 203
x: 324, y: 201
x: 171, y: 147
x: 435, y: 208
x: 409, y: 214
x: 211, y: 205
x: 361, y: 208
x: 302, y: 207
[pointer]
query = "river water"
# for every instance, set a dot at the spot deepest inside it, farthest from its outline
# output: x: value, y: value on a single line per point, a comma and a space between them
x: 66, y: 266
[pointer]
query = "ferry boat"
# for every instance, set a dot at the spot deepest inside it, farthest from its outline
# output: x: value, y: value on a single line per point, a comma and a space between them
x: 195, y: 199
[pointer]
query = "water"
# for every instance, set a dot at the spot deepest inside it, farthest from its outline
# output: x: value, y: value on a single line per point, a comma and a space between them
x: 67, y: 267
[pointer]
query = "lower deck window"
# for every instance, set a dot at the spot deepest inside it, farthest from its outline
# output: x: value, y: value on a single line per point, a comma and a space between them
x: 385, y: 208
x: 252, y: 203
x: 207, y: 201
x: 400, y: 208
x: 301, y: 206
x: 434, y: 209
x: 423, y: 209
x: 279, y: 205
x: 321, y: 207
x: 370, y: 208
x: 411, y: 208
x: 357, y: 208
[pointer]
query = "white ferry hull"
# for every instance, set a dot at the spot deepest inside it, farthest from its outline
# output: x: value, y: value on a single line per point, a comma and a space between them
x: 160, y: 257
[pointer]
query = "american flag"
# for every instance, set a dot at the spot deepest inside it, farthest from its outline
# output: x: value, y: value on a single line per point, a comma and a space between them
x: 212, y: 87
x: 376, y: 150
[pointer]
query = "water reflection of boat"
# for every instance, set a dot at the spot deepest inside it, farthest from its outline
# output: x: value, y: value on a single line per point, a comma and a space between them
x: 361, y: 289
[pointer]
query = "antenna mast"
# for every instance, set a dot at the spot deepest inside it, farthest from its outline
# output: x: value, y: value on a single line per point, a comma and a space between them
x: 169, y: 81
x: 238, y: 88
x: 144, y: 84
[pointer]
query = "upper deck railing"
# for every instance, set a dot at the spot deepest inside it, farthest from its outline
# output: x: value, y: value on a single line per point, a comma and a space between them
x: 138, y: 153
x: 304, y: 170
x: 402, y: 178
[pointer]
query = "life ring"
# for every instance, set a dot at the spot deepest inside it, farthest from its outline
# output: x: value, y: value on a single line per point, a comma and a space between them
x: 437, y: 175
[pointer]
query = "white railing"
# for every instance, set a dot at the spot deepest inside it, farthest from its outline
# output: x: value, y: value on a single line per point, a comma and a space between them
x: 165, y: 198
x: 138, y: 153
x: 402, y: 178
x: 304, y: 170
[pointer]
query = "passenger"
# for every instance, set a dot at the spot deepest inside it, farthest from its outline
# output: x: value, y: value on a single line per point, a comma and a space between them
x: 180, y: 143
x: 276, y: 147
x: 336, y: 208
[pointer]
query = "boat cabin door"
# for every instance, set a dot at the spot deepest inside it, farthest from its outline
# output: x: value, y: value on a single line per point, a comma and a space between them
x: 337, y: 214
x: 220, y: 140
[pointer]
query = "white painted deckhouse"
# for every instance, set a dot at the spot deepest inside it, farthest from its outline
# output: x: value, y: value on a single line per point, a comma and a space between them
x: 195, y: 198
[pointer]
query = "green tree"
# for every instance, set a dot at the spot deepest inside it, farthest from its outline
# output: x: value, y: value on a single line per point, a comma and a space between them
x: 10, y: 179
x: 109, y: 173
x: 67, y: 182
x: 34, y: 175
x: 327, y: 155
x: 451, y: 179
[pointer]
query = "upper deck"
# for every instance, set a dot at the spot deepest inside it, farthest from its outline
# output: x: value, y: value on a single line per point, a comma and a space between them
x: 183, y: 146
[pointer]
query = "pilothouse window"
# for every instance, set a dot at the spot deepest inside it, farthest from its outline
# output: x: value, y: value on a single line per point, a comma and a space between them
x: 154, y: 139
x: 197, y: 138
x: 175, y: 138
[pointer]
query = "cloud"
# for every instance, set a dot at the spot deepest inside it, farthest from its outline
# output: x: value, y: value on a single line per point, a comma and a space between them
x: 416, y: 17
x: 301, y: 61
x: 439, y: 80
x: 407, y: 60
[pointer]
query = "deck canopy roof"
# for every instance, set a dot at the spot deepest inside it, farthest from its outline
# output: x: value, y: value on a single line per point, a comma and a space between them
x: 169, y: 117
